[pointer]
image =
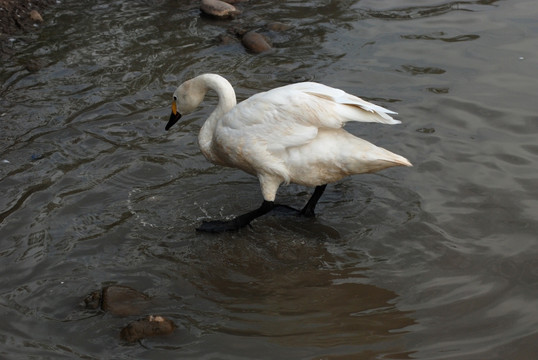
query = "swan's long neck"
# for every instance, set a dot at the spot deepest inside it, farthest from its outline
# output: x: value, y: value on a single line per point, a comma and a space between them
x: 226, y: 102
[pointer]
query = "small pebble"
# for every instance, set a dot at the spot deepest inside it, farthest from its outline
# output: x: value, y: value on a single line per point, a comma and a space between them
x: 218, y: 8
x: 5, y: 161
x: 255, y: 42
x: 36, y: 16
x: 36, y: 157
x: 147, y: 327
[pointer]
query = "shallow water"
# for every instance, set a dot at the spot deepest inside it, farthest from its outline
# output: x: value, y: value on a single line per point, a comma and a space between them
x: 438, y: 261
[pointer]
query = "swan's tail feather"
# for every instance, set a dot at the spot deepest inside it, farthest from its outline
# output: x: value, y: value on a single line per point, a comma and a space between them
x: 377, y: 113
x: 368, y: 112
x: 400, y: 161
x: 382, y: 159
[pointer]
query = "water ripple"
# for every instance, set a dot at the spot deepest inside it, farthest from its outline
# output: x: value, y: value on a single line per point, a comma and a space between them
x: 435, y: 261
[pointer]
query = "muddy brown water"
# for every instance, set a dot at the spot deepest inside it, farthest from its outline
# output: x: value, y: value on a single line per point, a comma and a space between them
x: 438, y: 261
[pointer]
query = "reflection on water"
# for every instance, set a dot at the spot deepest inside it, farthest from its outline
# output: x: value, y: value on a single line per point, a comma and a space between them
x: 433, y: 262
x: 294, y: 294
x: 296, y: 311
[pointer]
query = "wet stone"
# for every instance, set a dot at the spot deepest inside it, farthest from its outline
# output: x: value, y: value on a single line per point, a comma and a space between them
x: 218, y: 9
x: 93, y: 300
x: 118, y: 300
x: 36, y: 16
x: 149, y: 326
x: 256, y: 43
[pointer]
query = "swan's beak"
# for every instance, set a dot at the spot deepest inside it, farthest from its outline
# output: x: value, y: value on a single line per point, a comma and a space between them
x: 174, y: 117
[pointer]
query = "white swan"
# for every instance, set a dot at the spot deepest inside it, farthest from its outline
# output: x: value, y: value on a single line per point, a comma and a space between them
x: 291, y: 134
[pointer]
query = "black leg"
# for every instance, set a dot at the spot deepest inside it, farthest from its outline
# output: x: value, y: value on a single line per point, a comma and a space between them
x: 238, y: 222
x: 308, y: 209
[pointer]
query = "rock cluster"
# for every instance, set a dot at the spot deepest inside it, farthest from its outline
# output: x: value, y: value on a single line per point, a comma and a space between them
x: 251, y: 40
x: 125, y: 301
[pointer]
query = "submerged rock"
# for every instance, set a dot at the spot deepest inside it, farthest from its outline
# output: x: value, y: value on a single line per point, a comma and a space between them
x: 147, y: 327
x: 278, y: 26
x: 225, y: 39
x: 238, y: 31
x: 118, y: 299
x: 33, y: 65
x: 218, y: 8
x: 257, y: 43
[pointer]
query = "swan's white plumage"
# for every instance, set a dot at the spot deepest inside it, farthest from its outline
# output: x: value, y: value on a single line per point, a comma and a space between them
x: 288, y: 134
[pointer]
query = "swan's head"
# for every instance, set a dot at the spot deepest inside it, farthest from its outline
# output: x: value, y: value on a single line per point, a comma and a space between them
x: 186, y: 99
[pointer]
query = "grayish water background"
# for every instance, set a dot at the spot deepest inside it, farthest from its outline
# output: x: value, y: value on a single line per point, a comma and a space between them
x: 438, y: 261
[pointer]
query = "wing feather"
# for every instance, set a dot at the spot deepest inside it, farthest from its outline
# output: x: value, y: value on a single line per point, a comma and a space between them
x: 291, y: 115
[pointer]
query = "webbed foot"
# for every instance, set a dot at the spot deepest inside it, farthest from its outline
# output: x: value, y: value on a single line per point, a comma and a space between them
x: 218, y: 226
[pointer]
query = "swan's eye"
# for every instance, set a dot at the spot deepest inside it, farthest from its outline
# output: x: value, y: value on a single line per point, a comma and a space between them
x: 175, y: 98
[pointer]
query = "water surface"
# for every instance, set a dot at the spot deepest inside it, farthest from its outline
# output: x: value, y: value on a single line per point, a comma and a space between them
x: 438, y: 261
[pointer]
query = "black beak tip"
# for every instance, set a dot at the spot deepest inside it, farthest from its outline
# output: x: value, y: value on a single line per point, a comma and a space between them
x: 174, y: 118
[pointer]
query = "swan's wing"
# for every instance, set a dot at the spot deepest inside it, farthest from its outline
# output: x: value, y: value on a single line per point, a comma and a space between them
x: 341, y: 106
x: 291, y: 115
x: 268, y: 122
